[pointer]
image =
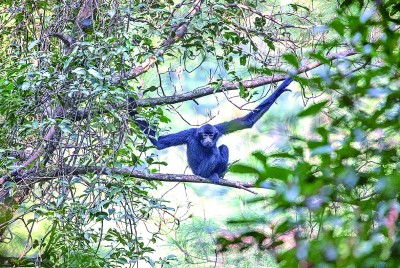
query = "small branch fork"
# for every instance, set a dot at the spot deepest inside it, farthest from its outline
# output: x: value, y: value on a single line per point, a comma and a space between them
x: 176, y: 34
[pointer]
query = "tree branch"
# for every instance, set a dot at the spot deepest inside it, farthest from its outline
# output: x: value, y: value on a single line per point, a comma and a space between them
x: 34, y: 156
x: 251, y: 83
x: 45, y: 175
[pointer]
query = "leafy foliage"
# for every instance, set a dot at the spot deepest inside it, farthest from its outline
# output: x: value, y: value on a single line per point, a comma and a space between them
x: 337, y: 199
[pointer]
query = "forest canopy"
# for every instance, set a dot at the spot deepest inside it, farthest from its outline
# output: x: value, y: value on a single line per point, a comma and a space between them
x: 313, y: 184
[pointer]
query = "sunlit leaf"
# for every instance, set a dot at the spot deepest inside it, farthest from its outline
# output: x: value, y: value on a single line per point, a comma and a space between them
x: 313, y: 109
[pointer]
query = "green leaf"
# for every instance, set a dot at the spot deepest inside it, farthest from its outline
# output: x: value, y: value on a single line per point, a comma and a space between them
x: 80, y: 71
x: 313, y: 109
x: 248, y: 220
x: 282, y: 155
x: 101, y: 215
x: 338, y: 26
x: 346, y: 3
x: 283, y: 227
x: 240, y: 168
x: 243, y: 92
x: 319, y: 56
x: 33, y: 44
x: 95, y: 74
x: 260, y: 156
x: 280, y: 173
x: 270, y: 44
x: 243, y: 60
x: 291, y: 59
x: 296, y: 6
x: 67, y: 62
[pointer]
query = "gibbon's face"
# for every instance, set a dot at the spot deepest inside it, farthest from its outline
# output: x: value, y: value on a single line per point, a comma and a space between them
x: 207, y: 135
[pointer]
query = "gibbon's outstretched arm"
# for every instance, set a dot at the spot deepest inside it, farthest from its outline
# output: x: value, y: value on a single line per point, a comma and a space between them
x: 164, y: 141
x: 174, y: 139
x: 251, y: 118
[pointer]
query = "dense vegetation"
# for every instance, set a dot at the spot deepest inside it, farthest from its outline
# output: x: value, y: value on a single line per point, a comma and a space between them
x: 81, y: 186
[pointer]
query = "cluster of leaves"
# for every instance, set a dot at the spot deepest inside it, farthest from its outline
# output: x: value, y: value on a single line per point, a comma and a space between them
x: 81, y: 221
x: 335, y: 192
x: 83, y: 234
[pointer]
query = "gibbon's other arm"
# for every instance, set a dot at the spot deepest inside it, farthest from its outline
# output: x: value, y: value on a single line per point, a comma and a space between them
x: 251, y: 118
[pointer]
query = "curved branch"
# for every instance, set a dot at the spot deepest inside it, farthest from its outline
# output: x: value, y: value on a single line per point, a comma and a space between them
x: 251, y: 83
x: 45, y: 175
x: 65, y: 38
